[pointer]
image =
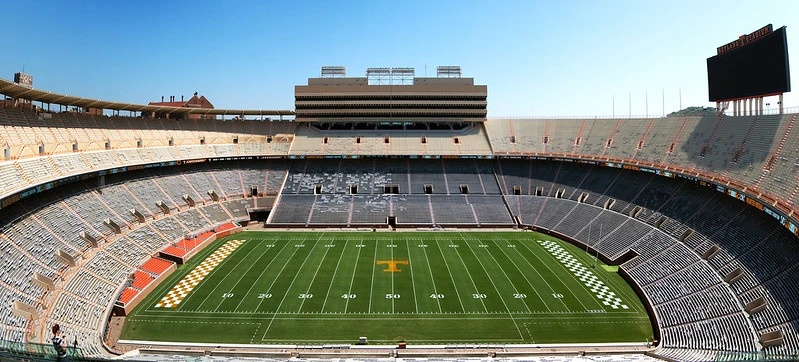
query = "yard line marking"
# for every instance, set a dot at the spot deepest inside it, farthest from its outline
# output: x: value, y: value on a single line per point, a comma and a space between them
x: 313, y: 279
x: 372, y: 287
x: 209, y: 295
x: 435, y: 289
x: 252, y: 264
x: 277, y: 276
x: 352, y: 280
x: 476, y: 290
x: 290, y: 285
x: 413, y: 283
x: 564, y: 283
x: 479, y: 261
x: 542, y: 277
x: 524, y: 275
x: 446, y: 264
x: 392, y: 279
x: 516, y: 290
x: 190, y: 281
x: 357, y: 316
x: 588, y: 278
x: 260, y: 275
x: 334, y: 273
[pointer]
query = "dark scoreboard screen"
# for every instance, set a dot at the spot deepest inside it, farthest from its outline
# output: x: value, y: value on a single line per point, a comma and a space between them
x: 754, y: 69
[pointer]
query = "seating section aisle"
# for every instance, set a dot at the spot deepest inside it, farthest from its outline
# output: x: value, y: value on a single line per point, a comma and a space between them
x: 684, y: 239
x: 688, y: 292
x: 52, y: 222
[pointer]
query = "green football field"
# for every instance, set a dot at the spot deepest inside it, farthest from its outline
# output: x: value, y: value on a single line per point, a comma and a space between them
x: 421, y: 288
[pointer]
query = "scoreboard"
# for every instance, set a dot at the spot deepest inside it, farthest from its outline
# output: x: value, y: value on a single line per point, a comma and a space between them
x: 23, y: 79
x: 754, y: 65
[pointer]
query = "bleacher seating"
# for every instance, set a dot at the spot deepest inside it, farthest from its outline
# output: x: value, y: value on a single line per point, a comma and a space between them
x: 700, y: 314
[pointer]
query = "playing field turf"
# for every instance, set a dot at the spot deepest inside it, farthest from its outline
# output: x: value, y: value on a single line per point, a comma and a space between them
x: 423, y: 288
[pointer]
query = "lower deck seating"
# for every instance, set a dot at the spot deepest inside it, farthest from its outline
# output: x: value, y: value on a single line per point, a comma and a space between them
x: 624, y: 214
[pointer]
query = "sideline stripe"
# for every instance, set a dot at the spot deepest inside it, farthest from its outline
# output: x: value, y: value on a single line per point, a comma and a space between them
x: 187, y: 284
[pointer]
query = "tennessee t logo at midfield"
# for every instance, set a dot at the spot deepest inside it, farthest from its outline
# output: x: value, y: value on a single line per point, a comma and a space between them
x: 392, y: 265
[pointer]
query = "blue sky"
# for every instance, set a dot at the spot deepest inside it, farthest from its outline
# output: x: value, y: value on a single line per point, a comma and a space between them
x: 560, y: 58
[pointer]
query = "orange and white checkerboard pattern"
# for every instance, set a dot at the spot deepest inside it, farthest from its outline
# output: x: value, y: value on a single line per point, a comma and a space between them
x: 185, y: 286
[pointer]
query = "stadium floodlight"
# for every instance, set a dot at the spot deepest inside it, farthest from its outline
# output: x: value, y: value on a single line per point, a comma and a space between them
x: 377, y: 71
x: 402, y: 75
x: 334, y: 71
x: 378, y: 76
x: 448, y: 71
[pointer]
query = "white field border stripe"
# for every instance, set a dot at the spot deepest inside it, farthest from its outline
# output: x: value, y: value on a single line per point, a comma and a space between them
x: 479, y: 261
x: 262, y: 274
x: 452, y: 278
x: 290, y: 285
x: 476, y: 290
x: 335, y: 272
x: 409, y: 315
x: 524, y: 275
x: 390, y: 346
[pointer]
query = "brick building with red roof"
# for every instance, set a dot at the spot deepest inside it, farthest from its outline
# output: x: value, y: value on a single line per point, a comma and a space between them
x: 193, y: 102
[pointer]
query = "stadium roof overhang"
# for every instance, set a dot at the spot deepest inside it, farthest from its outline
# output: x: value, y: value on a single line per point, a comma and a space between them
x: 15, y: 90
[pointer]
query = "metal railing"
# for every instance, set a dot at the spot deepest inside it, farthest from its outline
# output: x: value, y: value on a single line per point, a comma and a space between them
x: 36, y: 352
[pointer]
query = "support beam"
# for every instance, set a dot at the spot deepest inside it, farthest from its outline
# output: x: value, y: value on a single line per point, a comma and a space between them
x: 65, y: 257
x: 43, y: 281
x: 113, y: 226
x: 188, y: 200
x: 734, y: 276
x: 23, y: 310
x: 685, y: 235
x: 139, y: 217
x: 710, y: 253
x: 756, y: 305
x: 772, y: 339
x: 89, y: 239
x: 161, y: 205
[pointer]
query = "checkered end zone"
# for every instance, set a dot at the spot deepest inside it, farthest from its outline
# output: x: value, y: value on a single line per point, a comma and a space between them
x: 588, y: 278
x: 184, y: 287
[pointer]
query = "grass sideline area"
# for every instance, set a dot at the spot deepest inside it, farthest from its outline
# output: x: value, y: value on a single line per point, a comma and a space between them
x: 417, y: 287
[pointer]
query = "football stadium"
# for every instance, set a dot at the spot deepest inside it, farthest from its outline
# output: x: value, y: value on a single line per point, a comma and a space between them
x: 387, y: 215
